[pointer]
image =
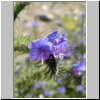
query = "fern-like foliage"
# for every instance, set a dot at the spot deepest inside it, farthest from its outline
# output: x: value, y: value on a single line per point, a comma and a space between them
x: 21, y: 43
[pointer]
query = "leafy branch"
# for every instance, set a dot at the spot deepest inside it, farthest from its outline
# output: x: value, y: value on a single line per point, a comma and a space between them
x: 18, y: 6
x: 21, y: 43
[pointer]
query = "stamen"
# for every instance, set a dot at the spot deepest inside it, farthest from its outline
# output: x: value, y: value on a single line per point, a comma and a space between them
x: 61, y: 57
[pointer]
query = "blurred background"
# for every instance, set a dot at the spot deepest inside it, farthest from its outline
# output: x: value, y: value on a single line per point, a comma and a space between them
x: 33, y: 20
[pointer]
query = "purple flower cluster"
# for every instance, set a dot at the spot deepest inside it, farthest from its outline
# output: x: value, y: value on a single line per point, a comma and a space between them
x: 47, y: 93
x: 79, y: 67
x: 58, y: 22
x: 79, y: 88
x: 58, y: 81
x: 55, y: 43
x: 39, y: 84
x: 61, y: 90
x: 61, y: 46
x: 35, y: 24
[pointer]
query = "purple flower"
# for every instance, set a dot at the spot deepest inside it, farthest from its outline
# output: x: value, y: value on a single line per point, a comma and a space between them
x: 58, y: 22
x: 42, y: 84
x: 39, y: 84
x: 39, y: 49
x: 47, y: 93
x: 84, y: 56
x: 62, y: 50
x: 79, y: 67
x: 55, y: 43
x: 36, y: 85
x: 79, y: 88
x: 34, y: 24
x: 58, y: 81
x: 60, y: 46
x: 52, y: 36
x: 56, y: 37
x: 76, y: 73
x: 61, y: 38
x: 61, y: 90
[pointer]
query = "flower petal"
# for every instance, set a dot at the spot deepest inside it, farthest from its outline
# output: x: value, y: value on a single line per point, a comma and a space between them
x: 34, y: 54
x: 52, y: 36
